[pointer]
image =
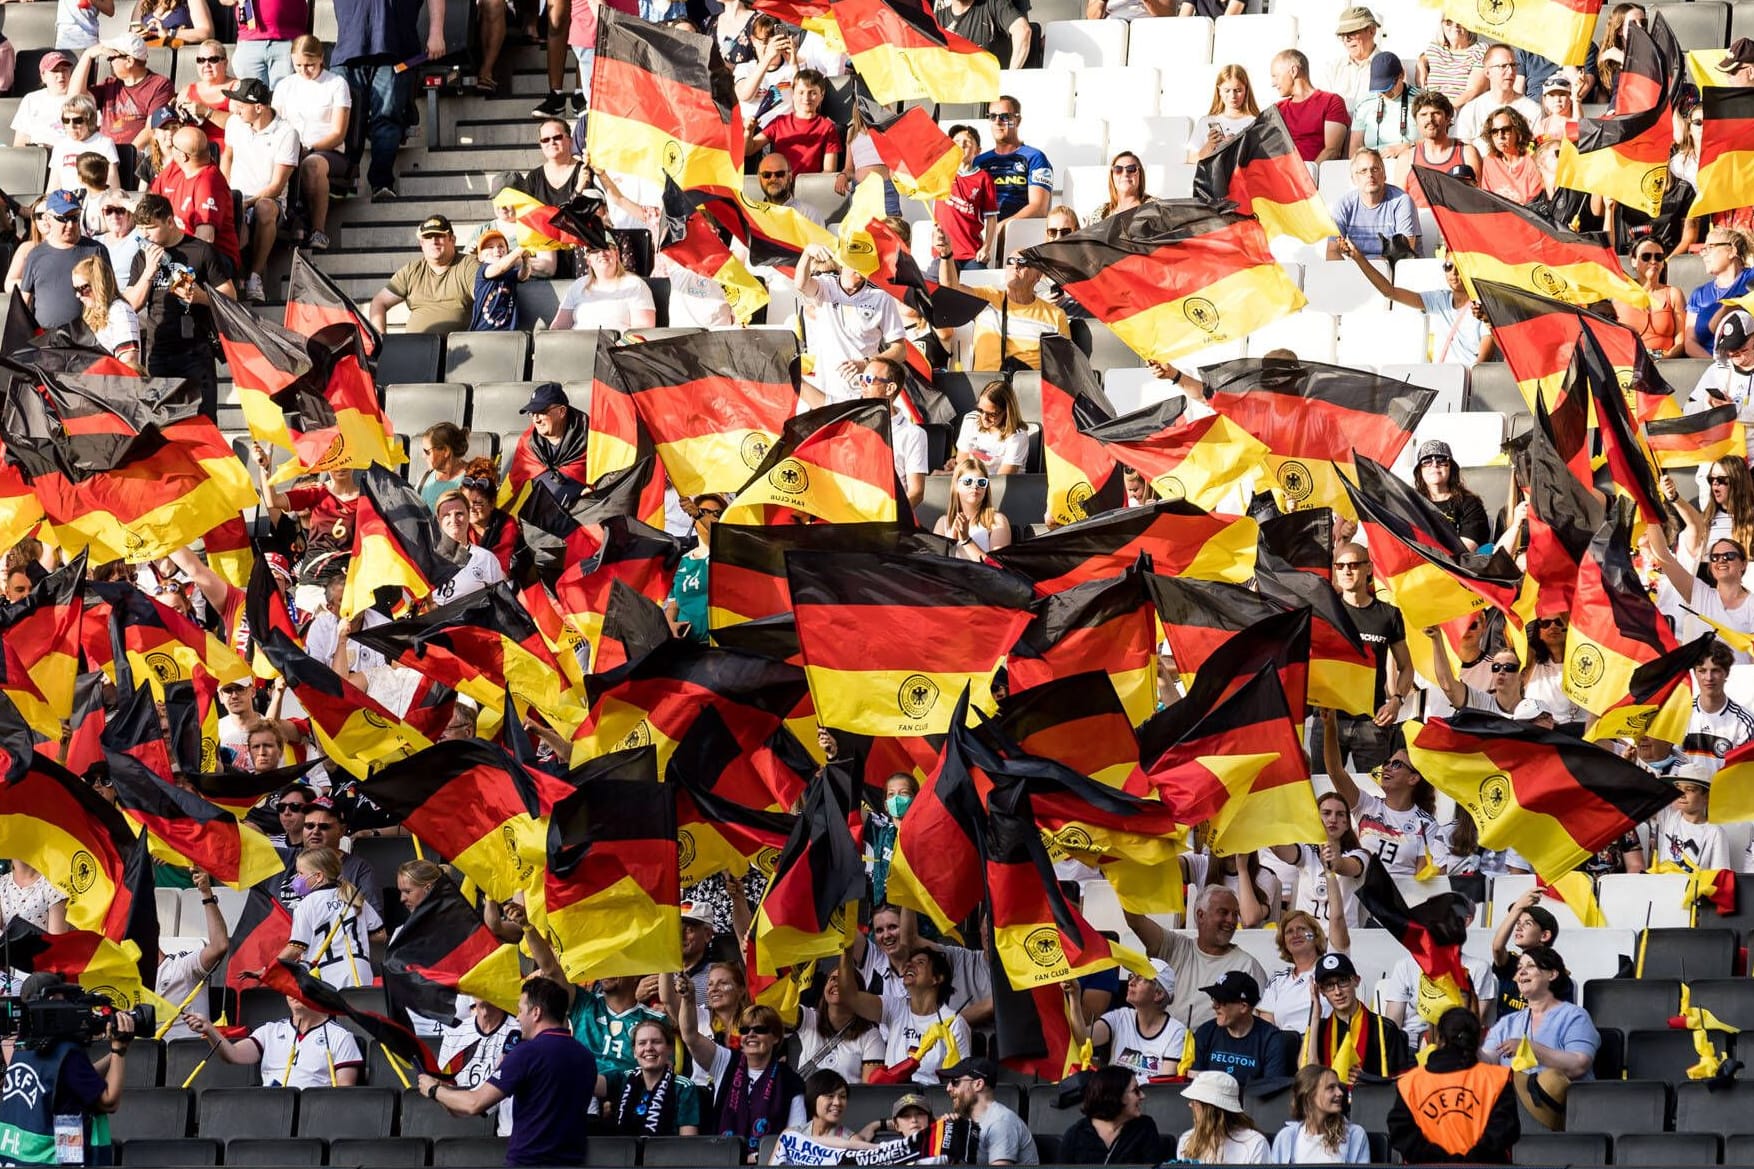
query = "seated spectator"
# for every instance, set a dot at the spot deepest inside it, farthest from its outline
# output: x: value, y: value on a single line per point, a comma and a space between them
x: 994, y: 431
x: 329, y: 509
x: 1681, y: 834
x: 1439, y: 481
x: 1340, y: 855
x: 972, y: 521
x: 318, y: 105
x: 1290, y: 997
x: 1560, y: 1035
x: 1022, y: 175
x: 333, y: 925
x: 445, y: 446
x: 999, y: 26
x: 1725, y: 255
x: 475, y: 1046
x: 1661, y: 327
x: 151, y: 161
x: 120, y: 238
x: 560, y: 177
x: 94, y: 173
x: 808, y: 139
x: 1739, y: 63
x: 1436, y: 147
x: 920, y: 1033
x: 968, y: 220
x: 439, y: 287
x: 1318, y: 1132
x: 132, y: 92
x: 1501, y: 91
x: 1008, y: 333
x: 1222, y: 1134
x: 1424, y: 1131
x: 1465, y: 338
x: 1402, y: 995
x: 842, y: 341
x: 1005, y: 1139
x: 1558, y: 111
x: 110, y: 318
x: 1610, y: 53
x: 1377, y: 1048
x: 37, y: 121
x: 552, y: 451
x: 502, y: 269
x: 480, y: 569
x: 204, y: 101
x: 743, y: 1106
x: 779, y: 187
x: 1126, y: 186
x: 1234, y: 110
x: 607, y: 296
x: 825, y: 1103
x: 1142, y: 1038
x: 1318, y: 121
x: 76, y: 27
x: 46, y: 277
x: 1526, y: 924
x: 261, y: 154
x: 1453, y: 65
x: 1234, y: 1040
x: 1385, y: 121
x: 1507, y: 169
x: 494, y: 528
x: 199, y: 195
x: 79, y: 135
x: 306, y: 1049
x: 1373, y: 213
x: 650, y: 1100
x: 1350, y: 74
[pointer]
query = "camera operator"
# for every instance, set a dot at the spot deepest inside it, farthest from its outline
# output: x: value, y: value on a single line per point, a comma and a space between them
x: 55, y: 1104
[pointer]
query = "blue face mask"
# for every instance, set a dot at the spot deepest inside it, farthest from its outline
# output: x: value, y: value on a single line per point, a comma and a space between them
x: 897, y: 806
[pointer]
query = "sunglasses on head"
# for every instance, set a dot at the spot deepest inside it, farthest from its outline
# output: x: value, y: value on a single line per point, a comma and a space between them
x: 973, y: 481
x: 478, y: 484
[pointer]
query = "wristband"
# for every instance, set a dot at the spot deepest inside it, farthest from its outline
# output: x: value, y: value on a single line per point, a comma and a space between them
x: 114, y: 1050
x: 432, y: 1092
x: 210, y: 901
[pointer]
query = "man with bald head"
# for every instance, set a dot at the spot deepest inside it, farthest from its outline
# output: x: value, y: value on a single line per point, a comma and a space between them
x: 199, y: 196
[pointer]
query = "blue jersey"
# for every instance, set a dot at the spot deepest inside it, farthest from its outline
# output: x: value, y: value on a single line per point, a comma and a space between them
x: 1013, y: 175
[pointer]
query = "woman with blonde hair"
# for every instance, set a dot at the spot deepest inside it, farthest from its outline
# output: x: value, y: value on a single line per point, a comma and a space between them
x: 204, y: 97
x: 1728, y: 512
x: 1126, y: 186
x: 1233, y: 110
x: 333, y: 925
x: 994, y: 431
x: 37, y: 213
x: 1318, y: 1132
x: 1454, y: 64
x: 110, y: 318
x: 972, y: 521
x: 1288, y: 1002
x: 727, y: 995
x: 1222, y: 1134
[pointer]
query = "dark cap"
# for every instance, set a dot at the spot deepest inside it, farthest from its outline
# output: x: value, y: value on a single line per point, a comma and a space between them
x: 251, y: 89
x: 1236, y: 986
x: 435, y: 225
x: 976, y: 1067
x: 1734, y: 331
x: 1332, y: 966
x: 165, y: 116
x: 1434, y: 448
x: 1741, y: 53
x: 1385, y: 71
x: 61, y: 203
x: 546, y: 396
x: 1463, y: 171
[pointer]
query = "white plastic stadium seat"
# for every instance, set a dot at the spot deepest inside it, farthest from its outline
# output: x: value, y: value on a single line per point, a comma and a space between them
x: 1172, y: 46
x: 1308, y: 333
x: 1449, y: 380
x: 1476, y: 437
x: 1377, y: 338
x: 1420, y: 276
x: 1101, y: 92
x: 1506, y: 889
x: 1159, y: 138
x: 1639, y: 901
x: 1043, y: 92
x: 1177, y: 181
x: 1024, y: 233
x: 1083, y: 44
x: 1068, y: 141
x: 1333, y: 179
x: 1252, y: 41
x: 1337, y: 286
x: 1293, y: 269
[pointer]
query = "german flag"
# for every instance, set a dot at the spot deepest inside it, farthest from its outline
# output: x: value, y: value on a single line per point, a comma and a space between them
x: 922, y: 160
x: 723, y: 819
x: 1629, y: 465
x: 1181, y: 539
x: 1301, y: 540
x: 191, y: 716
x: 230, y: 552
x: 748, y: 578
x: 1559, y: 29
x: 1726, y: 141
x: 1732, y: 788
x: 663, y: 107
x: 1172, y: 277
x: 1562, y: 520
x: 1198, y: 459
x: 962, y: 617
x: 240, y: 792
x: 1553, y: 798
x: 470, y: 801
x: 1624, y: 156
x: 633, y: 626
x: 612, y: 883
x: 1100, y: 625
x: 83, y: 748
x: 314, y: 302
x: 1198, y: 616
x: 1538, y: 335
x: 1615, y: 628
x: 617, y: 437
x: 775, y: 234
x: 1492, y: 238
x: 297, y: 980
x: 153, y: 643
x: 1261, y: 172
x: 833, y: 463
x: 1032, y: 1032
x: 58, y: 825
x: 940, y: 846
x: 899, y: 275
x: 395, y: 542
x: 556, y: 522
x: 713, y: 404
x: 1417, y: 556
x: 20, y: 510
x: 1078, y: 721
x: 17, y: 743
x: 97, y: 964
x: 810, y: 908
x: 1697, y: 440
x: 257, y: 940
x: 266, y: 361
x: 900, y: 52
x: 1315, y: 419
x: 1342, y: 670
x: 354, y: 731
x: 642, y: 557
x: 444, y: 950
x: 1083, y: 477
x: 693, y: 241
x: 575, y: 224
x: 42, y: 629
x: 1658, y: 700
x: 1433, y: 932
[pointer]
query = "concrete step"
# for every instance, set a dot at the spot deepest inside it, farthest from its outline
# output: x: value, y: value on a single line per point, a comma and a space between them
x: 417, y: 185
x: 520, y: 157
x: 470, y: 134
x: 376, y: 262
x: 410, y: 211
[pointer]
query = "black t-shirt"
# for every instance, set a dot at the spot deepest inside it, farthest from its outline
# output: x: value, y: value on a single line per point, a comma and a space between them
x: 536, y: 185
x: 986, y: 23
x: 165, y: 319
x: 1379, y: 624
x: 1467, y: 514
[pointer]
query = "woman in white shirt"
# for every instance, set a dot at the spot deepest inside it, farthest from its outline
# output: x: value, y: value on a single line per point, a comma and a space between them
x: 607, y: 297
x: 1222, y: 1134
x: 1289, y: 999
x: 1318, y: 1132
x: 111, y: 318
x: 1233, y: 110
x: 994, y: 430
x: 972, y: 520
x: 1341, y: 856
x: 79, y: 135
x: 832, y: 1038
x: 333, y: 925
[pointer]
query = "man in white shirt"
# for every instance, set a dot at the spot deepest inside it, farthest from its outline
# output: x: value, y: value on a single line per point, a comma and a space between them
x: 38, y: 119
x: 1730, y: 379
x: 181, y: 976
x: 1349, y: 74
x: 1501, y: 91
x: 883, y: 379
x: 318, y: 104
x: 847, y: 321
x: 261, y: 152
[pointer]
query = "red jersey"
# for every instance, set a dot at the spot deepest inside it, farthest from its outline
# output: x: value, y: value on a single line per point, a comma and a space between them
x: 201, y: 200
x: 806, y: 144
x: 1307, y: 120
x: 963, y: 216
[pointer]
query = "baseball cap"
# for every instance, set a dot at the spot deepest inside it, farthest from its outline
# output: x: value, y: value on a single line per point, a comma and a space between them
x: 128, y: 44
x: 976, y: 1067
x: 1463, y: 171
x: 61, y: 203
x: 488, y: 236
x: 546, y: 396
x: 54, y: 60
x: 1734, y: 331
x: 1355, y: 19
x: 695, y: 911
x: 1165, y: 976
x: 1556, y: 84
x: 1333, y: 966
x: 911, y: 1100
x: 435, y: 225
x: 1741, y: 53
x: 1692, y: 771
x: 1526, y: 710
x: 1236, y: 986
x: 1434, y: 448
x: 251, y: 89
x: 1385, y: 71
x: 164, y: 116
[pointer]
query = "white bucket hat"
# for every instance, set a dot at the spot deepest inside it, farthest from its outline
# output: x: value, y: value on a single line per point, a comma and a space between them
x: 1219, y: 1089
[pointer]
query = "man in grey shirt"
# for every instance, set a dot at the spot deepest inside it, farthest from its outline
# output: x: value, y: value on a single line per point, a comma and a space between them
x: 1005, y: 1139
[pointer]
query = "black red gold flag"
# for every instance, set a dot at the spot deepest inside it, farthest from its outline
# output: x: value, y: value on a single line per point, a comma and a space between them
x: 1172, y: 277
x: 1562, y: 519
x: 1615, y: 627
x: 1314, y: 419
x: 239, y: 792
x: 810, y: 907
x: 901, y: 52
x: 962, y: 617
x: 1658, y: 700
x: 314, y: 302
x: 1181, y: 539
x: 1200, y: 615
x: 663, y: 107
x: 1493, y: 238
x: 1100, y: 625
x: 57, y: 824
x: 1629, y: 466
x: 555, y: 520
x: 39, y: 636
x: 444, y: 949
x: 1032, y: 1033
x: 1077, y: 721
x: 724, y: 821
x: 83, y: 749
x: 151, y: 642
x: 922, y: 160
x: 261, y: 933
x: 1433, y: 932
x: 1550, y: 796
x: 1197, y: 459
x: 396, y: 542
x: 748, y: 577
x: 638, y: 555
x: 698, y: 244
x: 1302, y: 539
x: 297, y: 981
x: 1726, y: 140
x: 1261, y: 172
x: 93, y: 962
x: 633, y: 626
x: 17, y: 743
x: 1558, y: 29
x: 1697, y: 440
x: 940, y: 846
x: 898, y: 274
x: 833, y: 463
x: 1342, y: 669
x: 612, y: 882
x: 354, y: 730
x: 1624, y: 156
x: 1084, y: 479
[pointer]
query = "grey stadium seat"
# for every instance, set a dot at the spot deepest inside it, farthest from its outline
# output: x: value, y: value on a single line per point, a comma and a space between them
x: 487, y: 357
x: 1666, y: 1148
x: 495, y: 405
x: 1560, y: 1148
x: 1165, y: 1104
x: 1664, y: 1055
x: 538, y: 300
x: 1689, y: 953
x: 569, y: 355
x: 1730, y: 999
x: 24, y: 171
x: 415, y: 406
x: 183, y: 1056
x: 346, y: 1112
x: 614, y: 1152
x: 387, y: 1151
x: 223, y: 1113
x: 1633, y: 1003
x: 410, y: 357
x: 1705, y: 1107
x: 1105, y: 350
x: 690, y: 1151
x: 152, y: 1114
x: 1697, y: 24
x: 1370, y: 1106
x: 1617, y: 1106
x: 469, y: 1151
x: 169, y: 1154
x: 144, y: 1067
x: 274, y: 1151
x: 427, y: 1118
x: 868, y: 1102
x: 1492, y: 387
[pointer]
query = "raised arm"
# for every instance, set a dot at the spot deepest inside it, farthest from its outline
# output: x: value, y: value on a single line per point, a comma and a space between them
x: 1378, y: 281
x: 1658, y: 550
x: 1453, y: 687
x: 214, y: 587
x: 858, y: 1000
x: 676, y: 992
x: 1335, y: 760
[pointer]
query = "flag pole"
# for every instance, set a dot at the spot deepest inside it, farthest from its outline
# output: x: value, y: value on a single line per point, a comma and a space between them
x: 396, y: 1066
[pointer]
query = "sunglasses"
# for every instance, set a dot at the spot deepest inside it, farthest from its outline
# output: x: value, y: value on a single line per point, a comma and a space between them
x: 552, y: 138
x: 872, y: 379
x: 1354, y: 564
x: 1505, y: 667
x: 1057, y: 232
x: 1006, y: 119
x: 1725, y: 557
x: 219, y: 60
x: 1718, y: 480
x: 82, y: 290
x: 1502, y: 130
x: 1434, y: 461
x: 479, y: 484
x: 1126, y: 168
x: 973, y: 481
x: 715, y: 512
x: 747, y: 1031
x: 1448, y: 267
x: 773, y: 174
x: 117, y: 211
x: 1650, y: 257
x: 87, y: 122
x: 72, y: 217
x: 294, y: 807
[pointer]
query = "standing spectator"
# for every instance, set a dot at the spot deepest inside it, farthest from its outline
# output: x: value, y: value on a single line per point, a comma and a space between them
x: 1398, y: 827
x: 1718, y: 723
x: 1005, y: 1139
x: 1234, y: 110
x: 37, y: 121
x: 319, y: 105
x: 373, y: 49
x: 199, y: 196
x: 1385, y: 120
x: 1008, y: 332
x: 1379, y: 623
x: 110, y: 318
x: 79, y: 135
x: 261, y: 154
x: 756, y: 1092
x: 1205, y: 958
x: 152, y: 161
x: 1318, y: 121
x: 1465, y: 338
x: 307, y: 1049
x: 1222, y: 1134
x: 607, y: 296
x: 266, y: 30
x: 847, y: 321
x: 1681, y: 833
x: 47, y: 280
x: 1113, y: 1129
x: 1525, y: 923
x: 76, y: 24
x: 333, y: 925
x: 883, y: 379
x: 560, y: 176
x: 1739, y: 64
x: 1318, y: 1132
x: 1662, y: 326
x: 919, y: 1028
x: 1454, y: 64
x: 439, y: 287
x: 1373, y: 212
x: 1328, y: 875
x: 1424, y: 1130
x: 808, y: 139
x: 1721, y: 601
x: 1436, y: 147
x: 475, y: 1047
x: 995, y: 431
x: 1439, y: 481
x: 132, y: 92
x: 1022, y: 175
x: 1002, y: 30
x: 29, y: 896
x: 1501, y: 90
x: 120, y: 237
x: 1507, y: 169
x: 1725, y: 256
x: 1234, y: 1040
x: 968, y: 220
x: 1350, y: 75
x: 168, y: 286
x: 761, y: 82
